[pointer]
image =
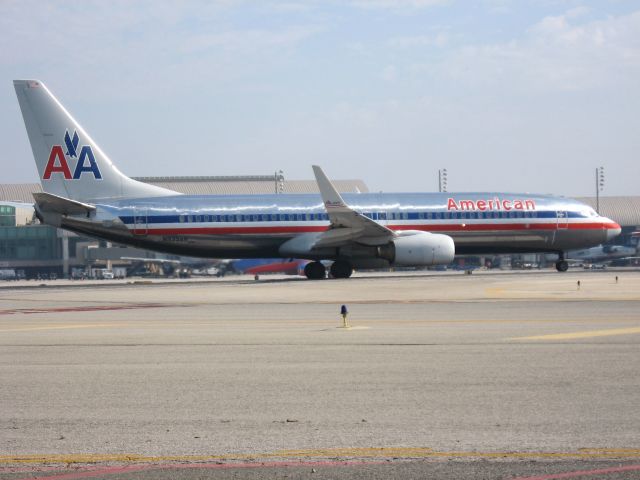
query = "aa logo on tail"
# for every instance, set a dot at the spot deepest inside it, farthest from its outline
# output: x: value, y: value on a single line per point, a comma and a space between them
x: 57, y: 162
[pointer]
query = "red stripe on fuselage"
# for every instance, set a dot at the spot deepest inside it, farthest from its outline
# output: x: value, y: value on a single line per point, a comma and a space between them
x: 468, y: 227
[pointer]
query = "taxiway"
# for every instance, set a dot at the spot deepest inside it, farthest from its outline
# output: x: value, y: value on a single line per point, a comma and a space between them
x: 436, y: 368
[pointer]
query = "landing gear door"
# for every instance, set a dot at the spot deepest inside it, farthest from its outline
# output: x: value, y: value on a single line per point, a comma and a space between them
x: 140, y: 226
x: 563, y: 220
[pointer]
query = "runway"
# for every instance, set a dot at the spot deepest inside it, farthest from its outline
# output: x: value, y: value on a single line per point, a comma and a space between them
x: 517, y: 374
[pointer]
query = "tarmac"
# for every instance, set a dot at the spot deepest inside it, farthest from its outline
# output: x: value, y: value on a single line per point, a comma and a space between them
x: 445, y: 375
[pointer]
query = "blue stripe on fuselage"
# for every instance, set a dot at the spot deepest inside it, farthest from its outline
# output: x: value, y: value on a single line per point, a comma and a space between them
x: 315, y: 217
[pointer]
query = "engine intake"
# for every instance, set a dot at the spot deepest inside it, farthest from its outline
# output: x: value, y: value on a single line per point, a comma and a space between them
x: 419, y: 249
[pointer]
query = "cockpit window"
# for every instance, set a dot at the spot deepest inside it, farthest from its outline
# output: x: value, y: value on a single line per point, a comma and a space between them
x: 591, y: 212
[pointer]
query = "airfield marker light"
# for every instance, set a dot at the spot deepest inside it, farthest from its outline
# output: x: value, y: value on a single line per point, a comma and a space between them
x: 344, y: 312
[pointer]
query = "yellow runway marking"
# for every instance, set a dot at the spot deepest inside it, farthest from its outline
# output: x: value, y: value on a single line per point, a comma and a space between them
x: 336, y: 453
x: 587, y: 334
x: 368, y: 323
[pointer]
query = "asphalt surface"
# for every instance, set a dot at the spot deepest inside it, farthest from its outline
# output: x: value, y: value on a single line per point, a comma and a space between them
x: 445, y: 376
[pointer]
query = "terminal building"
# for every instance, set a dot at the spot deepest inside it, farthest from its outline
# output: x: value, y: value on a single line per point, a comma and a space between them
x: 36, y: 250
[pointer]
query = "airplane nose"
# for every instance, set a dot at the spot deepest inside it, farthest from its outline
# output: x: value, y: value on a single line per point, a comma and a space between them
x: 612, y: 229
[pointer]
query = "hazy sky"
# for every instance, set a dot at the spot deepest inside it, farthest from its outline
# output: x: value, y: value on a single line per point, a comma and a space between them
x: 508, y: 95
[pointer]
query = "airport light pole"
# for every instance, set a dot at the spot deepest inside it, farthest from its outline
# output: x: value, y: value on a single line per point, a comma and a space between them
x: 279, y: 181
x: 442, y: 180
x: 599, y: 186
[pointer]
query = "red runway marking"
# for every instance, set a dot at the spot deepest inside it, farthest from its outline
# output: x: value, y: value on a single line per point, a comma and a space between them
x: 184, y: 466
x: 90, y: 308
x: 580, y: 473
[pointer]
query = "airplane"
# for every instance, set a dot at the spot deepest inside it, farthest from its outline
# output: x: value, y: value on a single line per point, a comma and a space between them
x: 86, y: 193
x: 288, y: 266
x: 603, y: 254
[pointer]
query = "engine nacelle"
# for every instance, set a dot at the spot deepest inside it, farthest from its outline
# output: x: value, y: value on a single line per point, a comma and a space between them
x: 419, y: 249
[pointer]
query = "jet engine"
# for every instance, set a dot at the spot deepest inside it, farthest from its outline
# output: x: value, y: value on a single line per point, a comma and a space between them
x: 419, y: 249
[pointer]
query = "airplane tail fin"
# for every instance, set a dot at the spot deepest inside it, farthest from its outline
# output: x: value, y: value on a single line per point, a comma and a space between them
x: 70, y: 163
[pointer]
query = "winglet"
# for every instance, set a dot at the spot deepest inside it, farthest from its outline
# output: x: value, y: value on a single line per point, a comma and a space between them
x: 343, y: 216
x: 330, y: 196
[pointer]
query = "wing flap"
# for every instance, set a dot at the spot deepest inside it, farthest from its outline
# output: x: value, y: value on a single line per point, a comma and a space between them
x: 337, y: 237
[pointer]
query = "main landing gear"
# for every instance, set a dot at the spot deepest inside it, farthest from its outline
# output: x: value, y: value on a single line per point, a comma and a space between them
x: 315, y: 271
x: 562, y: 265
x: 339, y: 269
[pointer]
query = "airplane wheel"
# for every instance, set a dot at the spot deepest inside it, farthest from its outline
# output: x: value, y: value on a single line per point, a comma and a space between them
x: 341, y: 269
x: 562, y: 265
x: 315, y: 271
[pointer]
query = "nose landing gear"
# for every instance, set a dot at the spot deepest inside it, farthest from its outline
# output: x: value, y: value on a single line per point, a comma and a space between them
x: 562, y: 265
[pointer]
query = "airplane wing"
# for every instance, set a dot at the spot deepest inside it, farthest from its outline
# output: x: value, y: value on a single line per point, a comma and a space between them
x: 347, y: 225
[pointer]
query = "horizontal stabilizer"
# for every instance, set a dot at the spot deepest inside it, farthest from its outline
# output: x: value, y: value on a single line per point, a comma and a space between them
x: 50, y: 203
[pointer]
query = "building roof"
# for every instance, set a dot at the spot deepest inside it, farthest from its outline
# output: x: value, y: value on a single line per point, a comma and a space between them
x: 18, y: 192
x: 624, y: 210
x: 252, y: 185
